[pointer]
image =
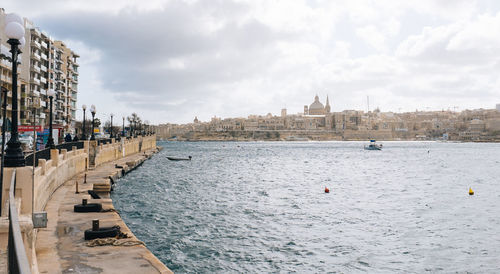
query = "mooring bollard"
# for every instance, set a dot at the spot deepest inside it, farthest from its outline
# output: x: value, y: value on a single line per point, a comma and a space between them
x: 77, y: 188
x: 84, y: 201
x: 95, y: 225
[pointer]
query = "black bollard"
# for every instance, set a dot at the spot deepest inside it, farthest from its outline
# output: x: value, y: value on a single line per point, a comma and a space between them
x: 95, y: 225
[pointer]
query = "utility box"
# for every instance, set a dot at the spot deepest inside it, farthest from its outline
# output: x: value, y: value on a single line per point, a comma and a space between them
x: 40, y: 220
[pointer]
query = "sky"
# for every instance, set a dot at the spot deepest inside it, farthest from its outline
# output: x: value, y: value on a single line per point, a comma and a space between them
x: 172, y: 60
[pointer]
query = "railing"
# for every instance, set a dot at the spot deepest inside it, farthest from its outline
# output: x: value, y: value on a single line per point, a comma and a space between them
x: 18, y: 261
x: 103, y: 141
x: 45, y: 153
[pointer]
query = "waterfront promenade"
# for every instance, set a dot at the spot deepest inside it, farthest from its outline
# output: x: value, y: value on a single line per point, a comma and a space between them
x: 60, y: 248
x: 50, y: 187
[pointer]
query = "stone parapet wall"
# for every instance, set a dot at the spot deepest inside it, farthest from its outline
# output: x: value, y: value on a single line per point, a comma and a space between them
x: 117, y: 150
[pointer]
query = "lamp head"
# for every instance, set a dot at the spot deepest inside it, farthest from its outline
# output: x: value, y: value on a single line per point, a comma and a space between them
x: 92, y: 109
x: 14, y: 30
x: 84, y: 107
x: 51, y: 93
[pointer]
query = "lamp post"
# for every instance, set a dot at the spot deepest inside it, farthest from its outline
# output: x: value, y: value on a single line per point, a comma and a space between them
x: 111, y: 129
x: 84, y: 137
x: 92, y: 111
x: 123, y: 127
x: 14, y: 30
x: 50, y: 141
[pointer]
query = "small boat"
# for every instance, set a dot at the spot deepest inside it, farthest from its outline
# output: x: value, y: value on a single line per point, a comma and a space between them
x: 373, y: 146
x: 179, y: 159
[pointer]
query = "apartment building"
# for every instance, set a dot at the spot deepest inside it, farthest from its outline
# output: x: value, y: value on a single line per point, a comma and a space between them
x: 45, y: 65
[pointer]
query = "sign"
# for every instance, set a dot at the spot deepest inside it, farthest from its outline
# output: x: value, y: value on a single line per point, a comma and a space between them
x: 29, y: 128
x: 96, y: 130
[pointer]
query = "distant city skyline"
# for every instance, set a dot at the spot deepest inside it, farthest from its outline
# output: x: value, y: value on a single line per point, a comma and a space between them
x: 170, y: 61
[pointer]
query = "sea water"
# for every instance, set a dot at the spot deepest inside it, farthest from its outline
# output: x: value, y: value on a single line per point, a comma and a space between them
x: 260, y: 207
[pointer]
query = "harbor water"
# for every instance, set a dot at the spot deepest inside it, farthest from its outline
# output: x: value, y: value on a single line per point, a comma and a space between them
x: 260, y: 207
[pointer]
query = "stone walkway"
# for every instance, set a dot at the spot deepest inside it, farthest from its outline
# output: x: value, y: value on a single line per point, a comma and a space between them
x: 61, y: 247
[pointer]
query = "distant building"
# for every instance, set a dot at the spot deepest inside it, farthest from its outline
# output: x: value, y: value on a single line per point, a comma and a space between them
x: 498, y: 107
x: 317, y: 108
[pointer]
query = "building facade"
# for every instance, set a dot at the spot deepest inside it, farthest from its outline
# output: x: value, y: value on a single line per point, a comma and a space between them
x: 45, y: 64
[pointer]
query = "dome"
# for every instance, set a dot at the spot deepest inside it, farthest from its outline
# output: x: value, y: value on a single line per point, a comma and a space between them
x: 316, y: 104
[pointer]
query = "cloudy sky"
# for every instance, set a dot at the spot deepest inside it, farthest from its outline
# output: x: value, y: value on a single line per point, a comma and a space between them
x: 173, y: 60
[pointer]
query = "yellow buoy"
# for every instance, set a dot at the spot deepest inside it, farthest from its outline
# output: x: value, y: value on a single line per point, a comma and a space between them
x: 471, y: 192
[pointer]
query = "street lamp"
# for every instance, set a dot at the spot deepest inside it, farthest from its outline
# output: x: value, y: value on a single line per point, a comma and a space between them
x: 123, y: 127
x: 111, y: 130
x: 50, y: 141
x: 92, y: 110
x: 14, y: 30
x: 84, y: 137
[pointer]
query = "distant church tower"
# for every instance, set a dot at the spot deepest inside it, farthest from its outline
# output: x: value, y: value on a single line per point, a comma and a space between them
x: 327, y: 106
x: 306, y: 110
x: 283, y: 113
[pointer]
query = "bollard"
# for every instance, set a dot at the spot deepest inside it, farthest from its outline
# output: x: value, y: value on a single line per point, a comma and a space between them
x: 77, y: 188
x: 95, y: 225
x: 84, y: 201
x: 85, y: 178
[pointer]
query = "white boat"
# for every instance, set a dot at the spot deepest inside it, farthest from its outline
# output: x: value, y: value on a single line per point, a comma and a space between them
x: 373, y: 146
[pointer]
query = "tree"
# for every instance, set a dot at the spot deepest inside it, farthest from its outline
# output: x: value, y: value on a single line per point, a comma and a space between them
x: 134, y: 122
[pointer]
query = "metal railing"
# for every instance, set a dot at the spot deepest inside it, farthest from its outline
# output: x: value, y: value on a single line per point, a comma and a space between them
x: 45, y: 153
x: 103, y: 141
x: 18, y: 261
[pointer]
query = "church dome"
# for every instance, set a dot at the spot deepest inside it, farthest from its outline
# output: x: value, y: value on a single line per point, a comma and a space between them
x: 316, y: 105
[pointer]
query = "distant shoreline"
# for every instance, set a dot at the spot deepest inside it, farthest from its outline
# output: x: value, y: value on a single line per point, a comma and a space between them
x: 285, y: 141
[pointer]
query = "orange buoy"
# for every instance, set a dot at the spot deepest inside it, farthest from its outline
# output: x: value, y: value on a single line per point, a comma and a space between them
x: 327, y: 190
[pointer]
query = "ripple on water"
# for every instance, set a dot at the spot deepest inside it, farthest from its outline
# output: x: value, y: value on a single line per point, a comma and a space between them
x: 260, y: 207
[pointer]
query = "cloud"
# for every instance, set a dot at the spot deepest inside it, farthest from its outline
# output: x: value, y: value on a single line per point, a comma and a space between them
x: 173, y: 60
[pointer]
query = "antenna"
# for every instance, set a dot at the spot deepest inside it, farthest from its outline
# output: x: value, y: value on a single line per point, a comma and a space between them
x: 368, y: 103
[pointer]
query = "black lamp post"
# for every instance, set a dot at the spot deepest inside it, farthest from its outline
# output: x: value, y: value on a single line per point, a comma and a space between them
x: 123, y: 127
x: 92, y: 111
x: 111, y: 129
x: 84, y: 137
x: 14, y: 30
x: 50, y: 141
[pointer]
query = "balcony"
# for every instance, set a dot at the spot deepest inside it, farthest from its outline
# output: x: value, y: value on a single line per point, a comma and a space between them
x: 43, y: 68
x: 6, y: 63
x: 35, y: 93
x: 36, y: 55
x: 44, y: 45
x: 42, y: 115
x: 43, y: 80
x: 36, y: 44
x: 35, y: 68
x: 44, y: 56
x: 35, y: 81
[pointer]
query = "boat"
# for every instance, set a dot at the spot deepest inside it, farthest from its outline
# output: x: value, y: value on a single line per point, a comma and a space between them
x: 373, y: 146
x: 179, y: 159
